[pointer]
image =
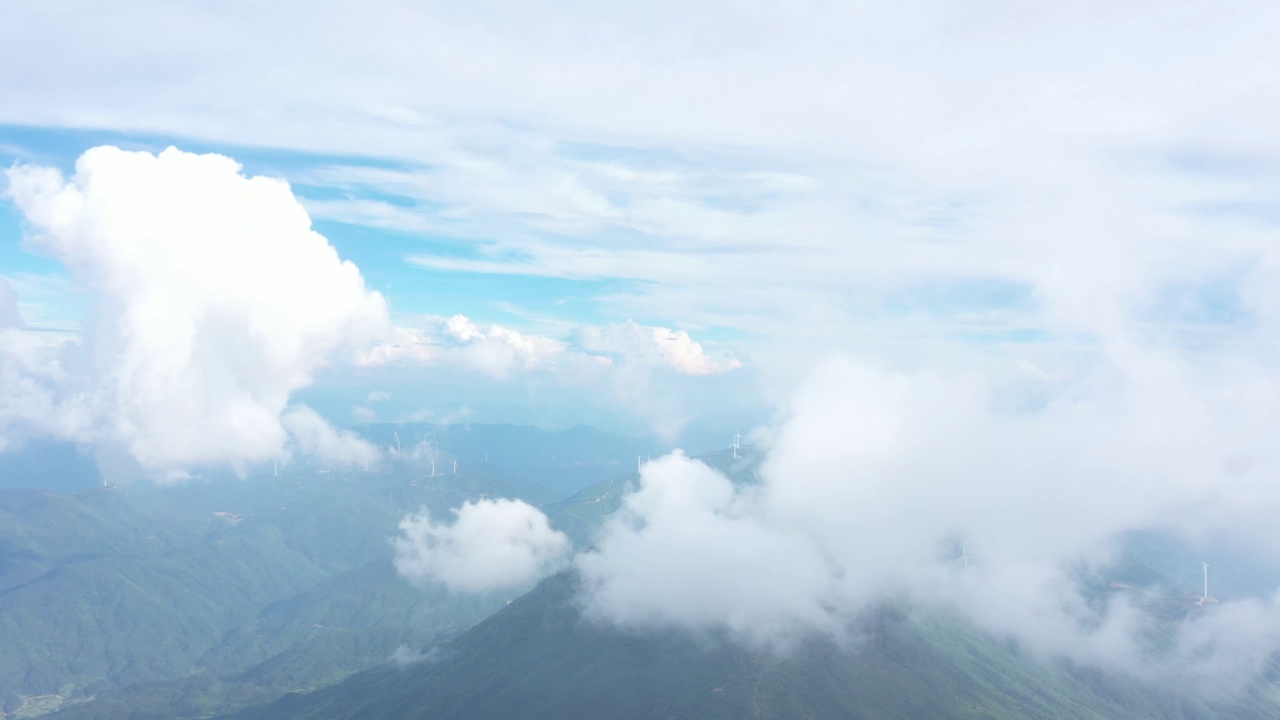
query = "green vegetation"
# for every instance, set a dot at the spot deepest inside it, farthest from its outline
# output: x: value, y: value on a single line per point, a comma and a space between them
x: 275, y: 597
x: 538, y: 658
x: 178, y: 601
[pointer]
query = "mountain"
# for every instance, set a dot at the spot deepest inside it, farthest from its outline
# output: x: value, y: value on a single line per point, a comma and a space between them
x: 102, y: 589
x: 544, y: 466
x: 48, y: 465
x: 539, y: 658
x: 277, y: 594
x: 225, y: 591
x: 350, y: 622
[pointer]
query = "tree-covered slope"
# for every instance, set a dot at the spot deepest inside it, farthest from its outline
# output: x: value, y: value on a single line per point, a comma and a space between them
x: 538, y: 658
x: 182, y: 590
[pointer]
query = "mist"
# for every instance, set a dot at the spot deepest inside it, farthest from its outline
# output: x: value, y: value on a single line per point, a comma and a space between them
x: 929, y: 485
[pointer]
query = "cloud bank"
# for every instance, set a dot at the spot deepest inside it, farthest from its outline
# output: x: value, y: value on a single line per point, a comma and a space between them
x: 653, y: 347
x: 876, y: 478
x: 211, y: 297
x: 491, y: 545
x: 313, y: 437
x: 499, y: 351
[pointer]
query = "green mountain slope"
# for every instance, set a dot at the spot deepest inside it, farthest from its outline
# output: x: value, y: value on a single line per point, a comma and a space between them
x: 223, y: 591
x: 538, y: 658
x: 352, y: 621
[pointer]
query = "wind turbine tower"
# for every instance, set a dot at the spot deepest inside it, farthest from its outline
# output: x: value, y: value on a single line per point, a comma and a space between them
x: 1206, y: 580
x: 737, y: 442
x: 433, y: 468
x: 455, y: 467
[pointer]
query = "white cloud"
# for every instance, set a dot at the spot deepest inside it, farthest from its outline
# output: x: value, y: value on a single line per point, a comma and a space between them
x: 874, y: 476
x: 906, y: 146
x: 687, y: 551
x: 686, y: 356
x: 32, y: 376
x: 462, y: 329
x: 497, y: 351
x: 920, y: 182
x: 404, y: 345
x: 314, y: 437
x: 493, y: 350
x: 212, y: 301
x: 658, y: 347
x: 491, y: 545
x: 652, y: 374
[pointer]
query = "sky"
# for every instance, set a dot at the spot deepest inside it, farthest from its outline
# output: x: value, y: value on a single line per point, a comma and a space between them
x: 1020, y: 253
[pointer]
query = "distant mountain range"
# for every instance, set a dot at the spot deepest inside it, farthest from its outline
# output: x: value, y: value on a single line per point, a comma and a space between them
x: 225, y: 591
x: 275, y: 597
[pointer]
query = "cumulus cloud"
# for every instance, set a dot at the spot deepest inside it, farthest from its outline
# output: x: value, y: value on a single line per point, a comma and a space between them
x: 651, y: 346
x: 314, y: 437
x: 874, y: 479
x: 493, y: 350
x: 491, y: 544
x: 498, y: 351
x: 28, y: 368
x: 32, y: 375
x: 404, y: 345
x: 211, y: 298
x: 656, y: 375
x: 686, y: 550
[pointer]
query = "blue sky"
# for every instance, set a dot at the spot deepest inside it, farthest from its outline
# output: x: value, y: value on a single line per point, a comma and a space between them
x: 395, y: 261
x: 709, y: 213
x: 381, y: 253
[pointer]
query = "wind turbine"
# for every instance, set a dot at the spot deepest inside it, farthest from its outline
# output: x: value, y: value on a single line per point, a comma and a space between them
x: 455, y: 467
x: 433, y: 468
x: 637, y: 463
x: 737, y: 441
x: 1205, y: 598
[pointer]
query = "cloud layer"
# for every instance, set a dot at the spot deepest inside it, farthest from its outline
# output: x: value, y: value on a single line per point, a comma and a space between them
x: 491, y: 545
x: 212, y: 300
x: 876, y: 478
x: 498, y: 351
x: 846, y: 159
